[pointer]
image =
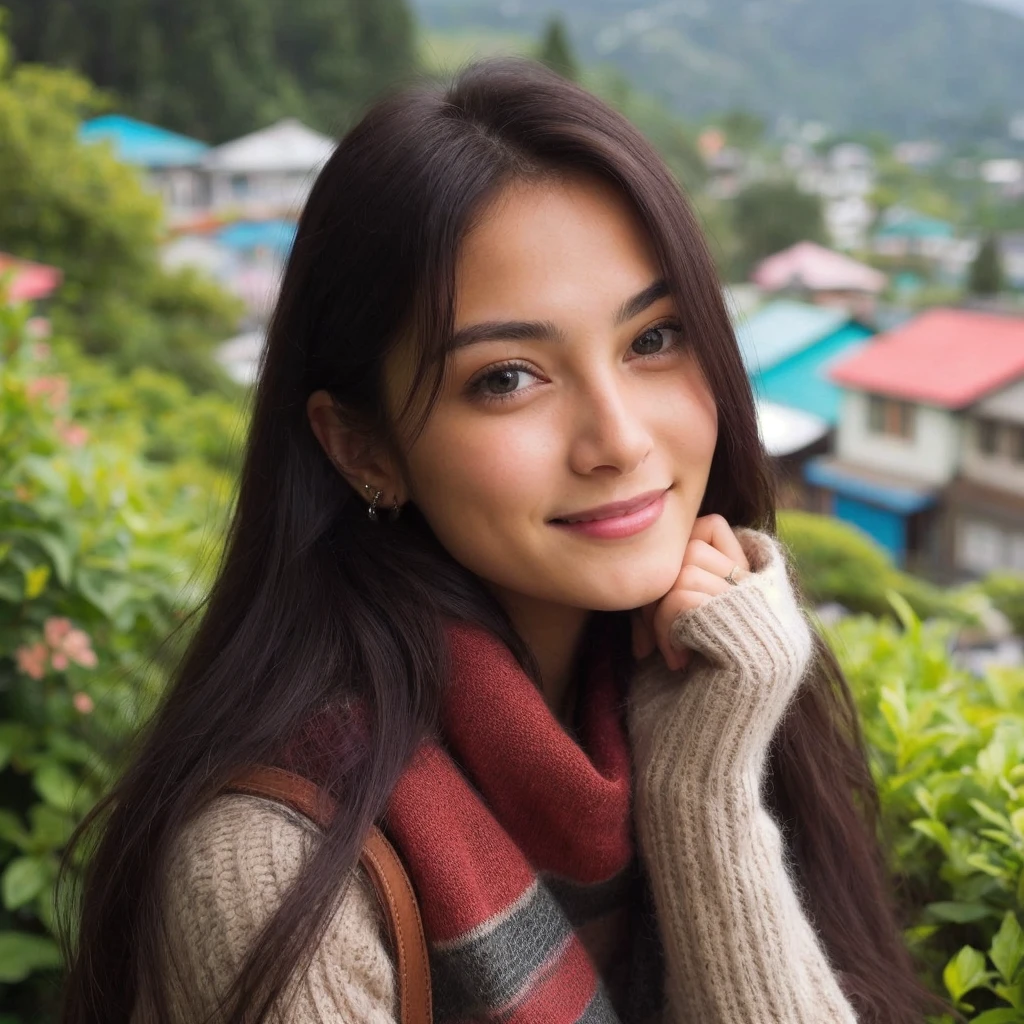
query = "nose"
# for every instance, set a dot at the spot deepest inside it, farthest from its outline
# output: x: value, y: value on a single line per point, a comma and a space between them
x: 608, y: 430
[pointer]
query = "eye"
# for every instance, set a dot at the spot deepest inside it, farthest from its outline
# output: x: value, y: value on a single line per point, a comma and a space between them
x: 657, y: 340
x: 502, y: 381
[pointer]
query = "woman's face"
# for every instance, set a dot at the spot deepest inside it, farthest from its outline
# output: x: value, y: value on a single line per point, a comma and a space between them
x: 573, y: 389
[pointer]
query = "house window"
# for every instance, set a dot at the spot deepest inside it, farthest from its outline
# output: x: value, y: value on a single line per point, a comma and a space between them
x: 988, y: 436
x: 891, y: 417
x: 1015, y: 556
x: 239, y: 185
x: 980, y: 546
x: 1017, y: 444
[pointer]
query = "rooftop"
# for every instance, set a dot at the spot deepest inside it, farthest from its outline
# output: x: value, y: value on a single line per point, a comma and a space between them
x: 949, y: 358
x: 783, y: 328
x: 810, y: 266
x: 144, y: 145
x: 287, y: 146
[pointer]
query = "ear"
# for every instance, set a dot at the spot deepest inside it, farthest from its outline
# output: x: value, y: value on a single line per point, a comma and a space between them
x: 365, y: 465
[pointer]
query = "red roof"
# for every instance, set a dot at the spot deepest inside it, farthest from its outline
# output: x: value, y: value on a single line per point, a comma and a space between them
x: 27, y: 281
x: 945, y: 357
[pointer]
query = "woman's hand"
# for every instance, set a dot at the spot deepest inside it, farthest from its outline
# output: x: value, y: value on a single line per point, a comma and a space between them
x: 711, y: 553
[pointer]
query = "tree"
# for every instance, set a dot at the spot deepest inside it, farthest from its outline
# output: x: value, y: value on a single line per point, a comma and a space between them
x: 772, y: 215
x: 75, y: 206
x: 218, y: 70
x: 742, y: 128
x: 986, y: 275
x: 555, y: 50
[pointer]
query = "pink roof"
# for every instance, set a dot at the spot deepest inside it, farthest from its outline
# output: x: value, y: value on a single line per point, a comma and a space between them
x: 27, y: 281
x: 811, y: 266
x: 945, y: 357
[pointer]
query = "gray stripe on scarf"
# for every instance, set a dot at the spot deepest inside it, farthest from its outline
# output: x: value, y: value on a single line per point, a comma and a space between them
x: 599, y: 1010
x: 586, y: 902
x: 485, y: 972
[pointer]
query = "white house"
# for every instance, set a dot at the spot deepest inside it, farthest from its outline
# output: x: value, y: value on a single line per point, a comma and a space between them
x: 268, y: 173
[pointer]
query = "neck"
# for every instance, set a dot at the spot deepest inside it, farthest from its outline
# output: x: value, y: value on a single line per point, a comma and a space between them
x: 553, y: 634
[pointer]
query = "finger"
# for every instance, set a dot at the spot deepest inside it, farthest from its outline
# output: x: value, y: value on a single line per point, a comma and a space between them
x: 673, y: 605
x: 716, y: 531
x: 702, y: 554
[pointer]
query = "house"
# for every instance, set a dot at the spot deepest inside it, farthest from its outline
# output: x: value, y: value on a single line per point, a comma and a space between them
x: 268, y: 173
x: 929, y: 454
x: 25, y: 281
x: 904, y: 232
x: 788, y: 347
x: 819, y: 275
x: 171, y: 162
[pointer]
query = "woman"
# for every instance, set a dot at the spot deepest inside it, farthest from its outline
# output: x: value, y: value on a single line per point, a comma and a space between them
x: 501, y: 577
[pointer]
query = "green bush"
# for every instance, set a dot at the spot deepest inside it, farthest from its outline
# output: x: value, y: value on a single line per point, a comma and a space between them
x: 947, y: 752
x: 836, y: 561
x: 1006, y: 592
x: 99, y: 548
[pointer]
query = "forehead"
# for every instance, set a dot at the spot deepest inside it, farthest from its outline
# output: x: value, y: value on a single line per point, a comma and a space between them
x: 555, y: 244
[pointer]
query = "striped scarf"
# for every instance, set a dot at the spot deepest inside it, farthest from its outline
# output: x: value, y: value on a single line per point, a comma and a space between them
x: 518, y: 839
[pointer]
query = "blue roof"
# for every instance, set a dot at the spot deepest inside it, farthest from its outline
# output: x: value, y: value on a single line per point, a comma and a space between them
x: 782, y: 329
x: 824, y: 472
x: 259, y: 234
x: 144, y: 145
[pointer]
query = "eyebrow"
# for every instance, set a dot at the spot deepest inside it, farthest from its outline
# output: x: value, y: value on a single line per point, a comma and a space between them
x: 546, y: 330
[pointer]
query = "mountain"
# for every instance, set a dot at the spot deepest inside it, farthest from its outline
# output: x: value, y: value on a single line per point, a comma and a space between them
x: 950, y: 68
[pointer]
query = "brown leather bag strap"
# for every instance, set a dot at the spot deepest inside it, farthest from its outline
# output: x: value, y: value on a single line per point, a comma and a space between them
x: 381, y: 863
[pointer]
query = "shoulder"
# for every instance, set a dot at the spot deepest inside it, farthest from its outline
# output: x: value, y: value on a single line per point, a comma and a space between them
x: 228, y: 871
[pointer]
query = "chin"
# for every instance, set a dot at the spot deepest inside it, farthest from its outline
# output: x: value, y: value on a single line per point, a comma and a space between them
x: 612, y: 592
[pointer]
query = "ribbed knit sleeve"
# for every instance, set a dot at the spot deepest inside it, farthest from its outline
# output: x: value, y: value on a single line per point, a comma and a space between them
x: 739, y: 947
x: 228, y: 872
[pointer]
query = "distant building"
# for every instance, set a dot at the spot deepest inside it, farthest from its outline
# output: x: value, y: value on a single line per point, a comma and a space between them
x: 172, y: 163
x: 845, y: 179
x: 929, y: 456
x: 788, y: 348
x: 811, y: 272
x: 919, y: 154
x: 269, y: 173
x: 905, y: 232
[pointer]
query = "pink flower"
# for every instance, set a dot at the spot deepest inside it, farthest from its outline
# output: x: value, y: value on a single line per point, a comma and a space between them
x: 68, y: 644
x: 54, y: 389
x: 83, y: 703
x: 55, y: 629
x: 78, y: 648
x: 74, y: 434
x: 32, y: 660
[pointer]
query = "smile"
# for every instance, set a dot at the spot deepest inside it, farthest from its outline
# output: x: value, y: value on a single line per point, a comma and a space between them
x: 618, y: 519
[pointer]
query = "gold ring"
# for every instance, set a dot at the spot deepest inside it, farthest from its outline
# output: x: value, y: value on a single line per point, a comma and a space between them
x: 730, y: 578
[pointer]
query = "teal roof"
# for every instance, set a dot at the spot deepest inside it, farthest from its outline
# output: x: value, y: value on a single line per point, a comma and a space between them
x: 783, y: 328
x: 916, y: 227
x: 802, y: 381
x: 144, y: 145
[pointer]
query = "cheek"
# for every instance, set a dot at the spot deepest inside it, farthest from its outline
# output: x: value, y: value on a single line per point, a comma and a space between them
x: 470, y: 478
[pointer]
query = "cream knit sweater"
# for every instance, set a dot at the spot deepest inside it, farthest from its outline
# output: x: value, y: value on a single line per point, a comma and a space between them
x: 739, y: 948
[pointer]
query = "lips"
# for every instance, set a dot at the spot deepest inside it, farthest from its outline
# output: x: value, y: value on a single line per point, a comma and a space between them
x: 612, y: 510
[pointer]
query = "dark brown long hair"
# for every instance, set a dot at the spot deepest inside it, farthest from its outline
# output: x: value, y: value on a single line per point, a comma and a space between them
x: 313, y: 602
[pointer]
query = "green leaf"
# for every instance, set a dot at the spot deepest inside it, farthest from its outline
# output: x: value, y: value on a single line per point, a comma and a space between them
x: 960, y: 913
x: 35, y: 581
x: 1007, y: 948
x: 964, y: 972
x: 990, y: 815
x: 1003, y: 1015
x: 23, y: 879
x: 934, y: 830
x: 21, y: 954
x: 56, y: 785
x: 12, y: 830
